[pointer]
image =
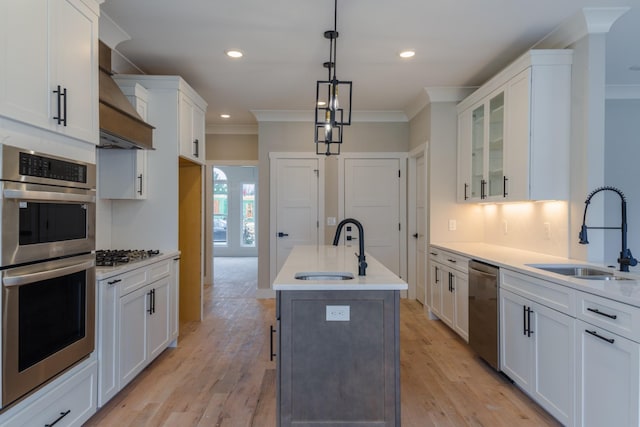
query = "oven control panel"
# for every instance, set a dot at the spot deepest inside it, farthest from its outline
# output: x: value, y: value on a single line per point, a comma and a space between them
x: 46, y: 167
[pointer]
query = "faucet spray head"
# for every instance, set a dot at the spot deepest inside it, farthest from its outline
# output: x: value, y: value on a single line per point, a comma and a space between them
x: 583, y: 235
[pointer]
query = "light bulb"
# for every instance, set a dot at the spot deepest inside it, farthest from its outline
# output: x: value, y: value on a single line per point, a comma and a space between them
x: 334, y: 103
x: 328, y: 133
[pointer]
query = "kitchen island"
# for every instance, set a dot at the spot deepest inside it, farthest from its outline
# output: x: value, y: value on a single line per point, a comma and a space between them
x: 338, y: 341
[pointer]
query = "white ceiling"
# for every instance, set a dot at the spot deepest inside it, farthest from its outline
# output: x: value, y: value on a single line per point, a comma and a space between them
x: 457, y: 43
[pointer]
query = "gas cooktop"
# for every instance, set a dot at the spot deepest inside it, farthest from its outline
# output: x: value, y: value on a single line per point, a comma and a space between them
x: 113, y: 257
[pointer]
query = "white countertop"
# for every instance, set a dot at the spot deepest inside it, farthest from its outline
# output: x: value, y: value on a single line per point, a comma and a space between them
x: 106, y: 272
x: 626, y: 291
x: 325, y: 259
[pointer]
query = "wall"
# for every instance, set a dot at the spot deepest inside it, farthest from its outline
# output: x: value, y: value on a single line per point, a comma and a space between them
x: 298, y: 137
x: 622, y: 152
x: 232, y: 147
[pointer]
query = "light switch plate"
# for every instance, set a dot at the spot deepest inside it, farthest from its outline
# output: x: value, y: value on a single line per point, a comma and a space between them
x: 338, y: 313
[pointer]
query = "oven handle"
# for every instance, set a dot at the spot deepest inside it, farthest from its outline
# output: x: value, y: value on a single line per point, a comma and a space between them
x: 25, y: 279
x: 47, y: 196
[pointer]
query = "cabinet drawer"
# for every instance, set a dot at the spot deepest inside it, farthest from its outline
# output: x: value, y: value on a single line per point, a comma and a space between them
x: 616, y: 317
x: 159, y: 270
x: 76, y: 397
x: 552, y: 295
x: 133, y: 280
x: 449, y: 259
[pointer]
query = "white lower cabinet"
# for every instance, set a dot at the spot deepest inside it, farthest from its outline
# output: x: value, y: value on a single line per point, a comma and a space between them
x: 449, y: 290
x: 538, y: 353
x: 608, y: 363
x: 137, y: 322
x: 69, y: 403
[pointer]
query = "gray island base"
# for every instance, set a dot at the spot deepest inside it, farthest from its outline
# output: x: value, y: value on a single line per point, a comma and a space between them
x: 337, y: 350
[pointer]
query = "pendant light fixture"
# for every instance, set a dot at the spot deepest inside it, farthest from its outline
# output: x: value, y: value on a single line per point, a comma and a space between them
x: 333, y: 100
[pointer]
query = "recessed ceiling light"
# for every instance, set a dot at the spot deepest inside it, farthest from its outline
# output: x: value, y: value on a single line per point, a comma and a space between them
x: 407, y: 54
x: 234, y: 53
x: 225, y: 116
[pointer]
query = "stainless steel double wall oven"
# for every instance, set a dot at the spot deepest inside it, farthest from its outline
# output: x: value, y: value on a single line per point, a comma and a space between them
x: 47, y: 267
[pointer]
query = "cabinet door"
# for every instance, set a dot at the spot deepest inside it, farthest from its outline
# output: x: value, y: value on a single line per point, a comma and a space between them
x: 448, y: 297
x: 608, y: 378
x: 174, y: 299
x: 122, y: 174
x: 436, y: 276
x: 463, y: 192
x: 198, y: 133
x: 158, y: 320
x: 519, y: 134
x: 24, y: 84
x: 107, y: 340
x: 553, y: 387
x: 133, y: 334
x: 477, y: 152
x: 74, y: 67
x: 495, y: 147
x: 516, y: 352
x: 461, y: 319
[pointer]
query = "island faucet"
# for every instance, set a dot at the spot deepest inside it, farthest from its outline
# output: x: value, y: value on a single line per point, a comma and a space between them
x: 626, y: 259
x: 362, y: 263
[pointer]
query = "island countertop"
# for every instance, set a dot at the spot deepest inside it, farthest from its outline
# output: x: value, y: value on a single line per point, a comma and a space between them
x: 331, y: 259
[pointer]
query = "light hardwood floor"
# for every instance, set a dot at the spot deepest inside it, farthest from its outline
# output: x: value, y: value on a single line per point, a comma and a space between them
x: 220, y: 373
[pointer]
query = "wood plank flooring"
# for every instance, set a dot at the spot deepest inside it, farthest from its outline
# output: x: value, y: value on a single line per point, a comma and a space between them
x: 220, y: 374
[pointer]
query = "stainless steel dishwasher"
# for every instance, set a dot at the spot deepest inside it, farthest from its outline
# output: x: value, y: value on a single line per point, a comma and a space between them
x: 484, y: 323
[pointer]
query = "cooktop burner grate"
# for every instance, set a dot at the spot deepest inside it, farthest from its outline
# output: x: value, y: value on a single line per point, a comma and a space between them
x: 113, y: 257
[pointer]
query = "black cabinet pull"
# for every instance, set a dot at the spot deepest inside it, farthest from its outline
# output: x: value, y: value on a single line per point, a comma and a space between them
x: 595, y: 334
x: 114, y: 281
x: 153, y: 300
x: 434, y: 253
x: 596, y: 311
x: 451, y: 260
x: 436, y: 270
x: 196, y: 145
x: 415, y: 236
x: 58, y: 93
x: 62, y: 415
x: 524, y: 320
x: 483, y: 194
x: 64, y: 107
x: 451, y: 282
x: 271, y: 353
x: 466, y: 186
x: 150, y: 309
x: 529, y: 331
x: 504, y: 186
x: 140, y: 190
x: 281, y: 234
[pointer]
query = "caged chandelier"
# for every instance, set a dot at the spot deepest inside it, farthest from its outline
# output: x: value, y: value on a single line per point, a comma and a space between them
x: 331, y: 114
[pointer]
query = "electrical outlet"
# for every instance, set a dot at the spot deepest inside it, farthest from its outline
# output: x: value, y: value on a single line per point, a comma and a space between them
x: 338, y: 313
x: 331, y: 220
x: 547, y: 230
x: 452, y: 225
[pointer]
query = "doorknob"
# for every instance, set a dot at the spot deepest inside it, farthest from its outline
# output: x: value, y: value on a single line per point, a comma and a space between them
x: 281, y: 234
x: 415, y: 235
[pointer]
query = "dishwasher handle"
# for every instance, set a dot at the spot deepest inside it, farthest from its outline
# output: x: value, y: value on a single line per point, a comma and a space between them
x: 483, y: 269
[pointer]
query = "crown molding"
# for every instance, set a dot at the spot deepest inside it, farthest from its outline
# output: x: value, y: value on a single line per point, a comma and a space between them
x: 590, y: 20
x: 307, y: 116
x: 231, y: 130
x: 622, y: 92
x: 430, y: 95
x: 111, y: 33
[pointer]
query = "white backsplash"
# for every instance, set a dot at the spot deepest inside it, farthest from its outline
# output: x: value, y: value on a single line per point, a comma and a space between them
x: 534, y: 226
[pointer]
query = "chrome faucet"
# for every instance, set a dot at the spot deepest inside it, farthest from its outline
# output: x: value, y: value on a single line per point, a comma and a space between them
x: 362, y: 263
x: 626, y: 259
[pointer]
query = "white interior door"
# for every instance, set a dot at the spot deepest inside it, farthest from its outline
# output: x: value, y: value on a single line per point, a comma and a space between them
x: 372, y: 196
x: 421, y: 229
x: 296, y: 206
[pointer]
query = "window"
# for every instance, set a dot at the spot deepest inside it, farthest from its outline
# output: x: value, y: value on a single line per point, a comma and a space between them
x: 220, y: 207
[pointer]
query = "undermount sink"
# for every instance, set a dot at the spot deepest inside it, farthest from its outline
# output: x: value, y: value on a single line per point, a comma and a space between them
x: 585, y: 272
x: 324, y: 275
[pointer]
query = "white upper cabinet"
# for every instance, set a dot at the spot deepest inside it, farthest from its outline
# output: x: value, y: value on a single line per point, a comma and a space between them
x: 192, y: 129
x: 513, y: 132
x: 49, y: 65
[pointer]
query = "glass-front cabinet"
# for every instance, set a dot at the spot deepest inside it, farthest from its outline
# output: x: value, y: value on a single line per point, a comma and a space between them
x: 485, y: 153
x: 514, y: 132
